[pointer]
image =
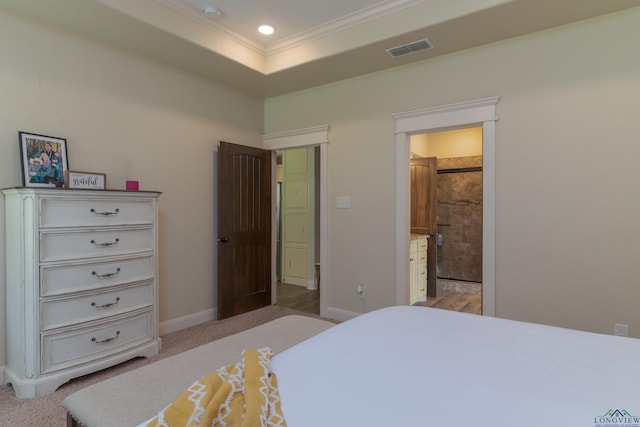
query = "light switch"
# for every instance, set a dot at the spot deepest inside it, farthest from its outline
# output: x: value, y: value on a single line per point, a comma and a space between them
x: 343, y: 202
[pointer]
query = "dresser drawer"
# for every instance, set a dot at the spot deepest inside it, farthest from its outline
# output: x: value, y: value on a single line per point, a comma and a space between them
x: 55, y: 313
x: 61, y: 279
x: 76, y: 346
x: 72, y: 245
x: 62, y: 212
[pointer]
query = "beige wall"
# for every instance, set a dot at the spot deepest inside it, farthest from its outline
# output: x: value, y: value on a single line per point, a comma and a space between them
x: 448, y: 144
x: 131, y: 118
x: 567, y: 151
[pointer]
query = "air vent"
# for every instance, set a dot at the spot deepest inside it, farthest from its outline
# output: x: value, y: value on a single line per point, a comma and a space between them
x: 409, y: 48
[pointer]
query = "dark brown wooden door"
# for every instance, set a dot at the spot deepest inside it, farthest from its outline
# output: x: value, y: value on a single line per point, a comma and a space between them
x: 244, y: 229
x: 424, y: 211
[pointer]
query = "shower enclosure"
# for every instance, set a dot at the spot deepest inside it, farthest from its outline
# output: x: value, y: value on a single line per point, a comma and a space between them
x: 459, y: 204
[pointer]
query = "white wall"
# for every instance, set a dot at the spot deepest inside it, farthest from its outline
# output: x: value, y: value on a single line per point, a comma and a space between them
x: 131, y: 118
x: 567, y: 151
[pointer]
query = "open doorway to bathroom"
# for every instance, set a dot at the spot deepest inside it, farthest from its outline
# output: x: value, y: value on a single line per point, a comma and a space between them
x: 455, y: 239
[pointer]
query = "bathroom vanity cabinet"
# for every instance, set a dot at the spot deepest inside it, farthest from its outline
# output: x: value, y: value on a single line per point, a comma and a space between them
x: 418, y: 269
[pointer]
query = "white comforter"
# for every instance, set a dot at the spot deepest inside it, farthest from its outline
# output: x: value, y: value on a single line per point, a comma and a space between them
x: 416, y: 366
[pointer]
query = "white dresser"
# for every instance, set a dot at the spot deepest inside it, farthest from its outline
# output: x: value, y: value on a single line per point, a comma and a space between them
x: 81, y: 283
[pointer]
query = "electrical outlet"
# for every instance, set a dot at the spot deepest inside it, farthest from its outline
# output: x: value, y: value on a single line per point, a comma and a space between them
x: 360, y: 290
x: 621, y: 330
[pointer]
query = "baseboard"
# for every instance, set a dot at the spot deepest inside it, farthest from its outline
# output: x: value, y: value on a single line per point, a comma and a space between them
x: 340, y: 314
x: 2, y: 380
x: 188, y: 321
x: 312, y: 285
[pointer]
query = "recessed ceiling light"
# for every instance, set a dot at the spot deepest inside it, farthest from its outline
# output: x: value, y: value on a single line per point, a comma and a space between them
x: 266, y: 29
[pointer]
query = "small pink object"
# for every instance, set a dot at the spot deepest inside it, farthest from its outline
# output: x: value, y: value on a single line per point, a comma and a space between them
x: 132, y: 185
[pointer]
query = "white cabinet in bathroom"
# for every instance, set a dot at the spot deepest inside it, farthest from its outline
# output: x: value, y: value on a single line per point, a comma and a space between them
x: 418, y: 269
x: 81, y: 283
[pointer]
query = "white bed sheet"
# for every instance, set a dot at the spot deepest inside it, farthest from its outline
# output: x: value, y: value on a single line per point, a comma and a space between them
x: 417, y: 366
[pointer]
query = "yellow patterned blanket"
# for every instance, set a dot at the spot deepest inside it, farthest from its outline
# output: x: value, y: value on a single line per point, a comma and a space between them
x: 243, y: 395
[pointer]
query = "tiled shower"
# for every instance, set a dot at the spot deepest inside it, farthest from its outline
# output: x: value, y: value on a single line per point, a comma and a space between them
x: 460, y: 219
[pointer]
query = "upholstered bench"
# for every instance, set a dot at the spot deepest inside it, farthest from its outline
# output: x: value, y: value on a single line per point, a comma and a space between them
x: 134, y: 397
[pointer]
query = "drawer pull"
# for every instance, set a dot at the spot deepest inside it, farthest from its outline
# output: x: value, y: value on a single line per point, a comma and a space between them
x: 106, y: 275
x: 106, y: 243
x: 105, y: 213
x: 111, y: 304
x: 104, y: 341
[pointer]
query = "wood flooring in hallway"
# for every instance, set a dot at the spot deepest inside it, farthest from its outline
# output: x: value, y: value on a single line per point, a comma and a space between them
x: 298, y: 298
x: 301, y: 299
x: 456, y: 301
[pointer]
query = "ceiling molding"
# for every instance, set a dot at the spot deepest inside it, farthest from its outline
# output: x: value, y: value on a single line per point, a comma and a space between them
x: 343, y: 23
x: 153, y: 29
x: 266, y: 49
x: 199, y: 17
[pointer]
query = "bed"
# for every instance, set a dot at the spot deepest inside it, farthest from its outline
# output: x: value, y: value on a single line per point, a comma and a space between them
x: 417, y: 366
x: 404, y: 366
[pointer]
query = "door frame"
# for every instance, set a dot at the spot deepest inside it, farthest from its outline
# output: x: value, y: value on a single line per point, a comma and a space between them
x: 453, y: 116
x: 315, y: 136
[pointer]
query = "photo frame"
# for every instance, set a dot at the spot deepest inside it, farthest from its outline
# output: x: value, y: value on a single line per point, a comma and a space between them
x: 44, y: 160
x: 85, y: 180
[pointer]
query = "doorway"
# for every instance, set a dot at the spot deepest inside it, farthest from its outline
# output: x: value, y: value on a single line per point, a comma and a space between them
x: 455, y: 238
x: 298, y: 231
x: 482, y: 113
x: 316, y: 136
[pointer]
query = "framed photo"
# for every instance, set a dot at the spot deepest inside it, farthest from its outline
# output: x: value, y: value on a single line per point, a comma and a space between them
x: 44, y: 160
x: 85, y: 180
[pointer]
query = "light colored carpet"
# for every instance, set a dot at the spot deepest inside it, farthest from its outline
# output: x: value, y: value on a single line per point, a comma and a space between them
x: 48, y: 411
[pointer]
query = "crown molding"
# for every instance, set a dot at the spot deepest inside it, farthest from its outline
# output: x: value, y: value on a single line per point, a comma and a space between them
x: 349, y: 21
x: 225, y: 31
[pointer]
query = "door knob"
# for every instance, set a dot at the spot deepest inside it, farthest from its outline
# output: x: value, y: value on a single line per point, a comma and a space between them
x: 223, y: 240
